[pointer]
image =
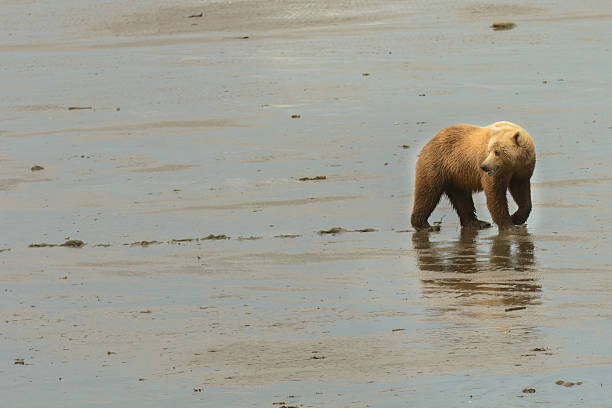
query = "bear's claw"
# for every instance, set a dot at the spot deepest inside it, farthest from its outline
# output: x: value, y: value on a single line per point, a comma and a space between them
x: 428, y: 228
x: 483, y: 224
x: 478, y: 224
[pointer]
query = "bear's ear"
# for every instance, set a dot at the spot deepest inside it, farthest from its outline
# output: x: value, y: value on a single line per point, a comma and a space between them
x: 516, y: 137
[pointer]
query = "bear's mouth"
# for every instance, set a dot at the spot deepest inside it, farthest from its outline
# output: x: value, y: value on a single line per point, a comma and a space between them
x: 492, y: 172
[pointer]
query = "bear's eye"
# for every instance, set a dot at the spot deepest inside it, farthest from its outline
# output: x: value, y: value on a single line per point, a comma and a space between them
x: 497, y: 152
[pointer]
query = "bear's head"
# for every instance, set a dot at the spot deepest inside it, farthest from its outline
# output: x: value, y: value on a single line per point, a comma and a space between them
x: 509, y: 147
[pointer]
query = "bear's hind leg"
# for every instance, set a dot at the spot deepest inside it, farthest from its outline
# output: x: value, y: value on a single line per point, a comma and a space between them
x: 464, y: 205
x: 426, y: 198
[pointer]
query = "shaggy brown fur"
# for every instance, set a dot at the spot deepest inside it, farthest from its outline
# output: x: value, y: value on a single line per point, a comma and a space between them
x: 463, y: 159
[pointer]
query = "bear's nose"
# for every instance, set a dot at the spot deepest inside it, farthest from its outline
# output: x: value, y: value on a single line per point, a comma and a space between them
x: 484, y: 167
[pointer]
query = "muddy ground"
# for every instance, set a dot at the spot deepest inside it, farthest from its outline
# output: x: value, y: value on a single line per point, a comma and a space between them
x: 220, y: 216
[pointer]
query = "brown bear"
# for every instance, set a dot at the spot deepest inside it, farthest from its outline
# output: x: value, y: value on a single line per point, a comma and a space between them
x: 462, y: 159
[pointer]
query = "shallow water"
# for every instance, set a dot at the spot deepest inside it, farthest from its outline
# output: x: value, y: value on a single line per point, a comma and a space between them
x: 190, y: 134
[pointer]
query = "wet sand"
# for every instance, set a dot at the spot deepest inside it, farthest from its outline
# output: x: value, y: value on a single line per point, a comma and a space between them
x: 205, y: 279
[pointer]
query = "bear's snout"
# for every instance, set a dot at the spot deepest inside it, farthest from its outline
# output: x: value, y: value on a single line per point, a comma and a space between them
x: 490, y: 170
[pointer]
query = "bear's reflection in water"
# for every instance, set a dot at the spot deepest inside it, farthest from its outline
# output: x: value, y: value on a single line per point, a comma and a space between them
x: 495, y: 271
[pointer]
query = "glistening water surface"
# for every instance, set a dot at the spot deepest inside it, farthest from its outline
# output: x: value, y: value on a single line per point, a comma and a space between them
x: 205, y: 280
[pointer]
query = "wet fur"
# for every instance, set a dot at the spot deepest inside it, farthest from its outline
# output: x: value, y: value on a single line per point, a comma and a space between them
x: 450, y: 164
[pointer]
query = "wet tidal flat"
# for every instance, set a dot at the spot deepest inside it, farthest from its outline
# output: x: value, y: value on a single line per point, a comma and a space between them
x: 208, y: 204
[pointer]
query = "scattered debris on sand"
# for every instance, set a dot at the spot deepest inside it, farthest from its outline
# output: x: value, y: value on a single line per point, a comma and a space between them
x: 296, y: 116
x: 75, y: 243
x: 568, y: 384
x: 144, y: 243
x: 251, y: 238
x: 19, y: 361
x: 512, y: 309
x: 405, y: 146
x: 71, y: 108
x: 37, y: 168
x: 178, y: 241
x: 340, y: 230
x: 332, y: 231
x: 196, y: 15
x: 529, y: 390
x: 313, y: 178
x: 365, y: 74
x: 71, y: 243
x: 215, y: 237
x: 5, y: 250
x: 502, y: 25
x: 41, y: 245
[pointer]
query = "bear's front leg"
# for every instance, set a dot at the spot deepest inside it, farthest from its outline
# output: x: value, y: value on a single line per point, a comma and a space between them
x: 521, y: 192
x: 495, y: 190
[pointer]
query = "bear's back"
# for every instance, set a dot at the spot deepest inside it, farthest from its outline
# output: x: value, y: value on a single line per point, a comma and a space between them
x: 458, y: 151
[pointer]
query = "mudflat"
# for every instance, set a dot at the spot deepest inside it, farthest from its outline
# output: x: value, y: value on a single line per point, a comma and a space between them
x: 207, y: 204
